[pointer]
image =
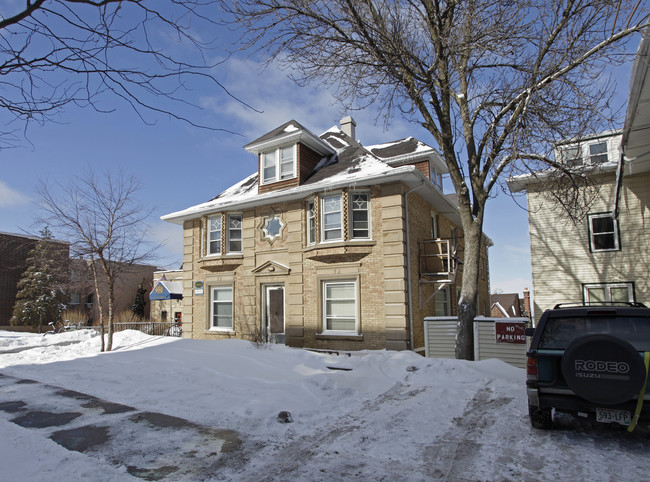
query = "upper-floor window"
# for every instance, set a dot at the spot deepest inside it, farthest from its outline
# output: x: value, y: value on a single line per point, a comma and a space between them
x: 311, y: 223
x: 278, y: 164
x: 587, y: 154
x: 434, y: 226
x: 332, y: 217
x: 598, y: 152
x: 603, y: 232
x: 214, y: 235
x: 359, y: 207
x: 272, y: 227
x: 435, y: 176
x: 608, y: 292
x: 234, y: 233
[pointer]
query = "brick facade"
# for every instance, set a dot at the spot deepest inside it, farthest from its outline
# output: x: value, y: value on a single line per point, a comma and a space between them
x: 378, y: 266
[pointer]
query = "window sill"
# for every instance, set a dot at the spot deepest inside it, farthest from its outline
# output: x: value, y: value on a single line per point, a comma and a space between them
x: 215, y: 331
x: 221, y: 263
x: 339, y: 248
x: 339, y: 336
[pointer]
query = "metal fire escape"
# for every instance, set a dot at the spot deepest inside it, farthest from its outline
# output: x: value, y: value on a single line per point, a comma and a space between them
x: 439, y: 264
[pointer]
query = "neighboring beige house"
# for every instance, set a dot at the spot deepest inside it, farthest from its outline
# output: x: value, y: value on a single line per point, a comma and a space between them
x: 166, y: 296
x: 330, y: 245
x: 606, y: 257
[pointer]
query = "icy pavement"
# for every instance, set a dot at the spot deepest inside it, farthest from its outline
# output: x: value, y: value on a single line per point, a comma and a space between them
x: 148, y: 445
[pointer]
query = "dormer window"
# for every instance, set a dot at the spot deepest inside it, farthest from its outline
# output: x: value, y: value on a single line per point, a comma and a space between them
x: 571, y: 156
x: 279, y: 164
x: 435, y: 176
x: 587, y: 154
x: 598, y: 152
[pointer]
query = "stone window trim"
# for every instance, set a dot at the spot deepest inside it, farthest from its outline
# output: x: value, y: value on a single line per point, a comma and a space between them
x: 272, y: 230
x: 346, y: 218
x: 225, y: 251
x: 604, y: 233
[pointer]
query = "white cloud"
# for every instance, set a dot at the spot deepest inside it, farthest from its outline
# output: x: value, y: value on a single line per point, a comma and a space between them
x: 271, y: 91
x: 9, y: 197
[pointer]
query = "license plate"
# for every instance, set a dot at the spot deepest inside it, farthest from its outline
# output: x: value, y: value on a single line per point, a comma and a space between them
x: 609, y: 415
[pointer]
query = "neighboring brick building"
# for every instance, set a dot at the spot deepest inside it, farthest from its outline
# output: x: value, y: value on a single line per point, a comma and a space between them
x: 330, y: 245
x: 14, y: 251
x: 83, y: 299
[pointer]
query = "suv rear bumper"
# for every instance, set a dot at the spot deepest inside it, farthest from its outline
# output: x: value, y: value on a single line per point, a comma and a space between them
x: 574, y: 404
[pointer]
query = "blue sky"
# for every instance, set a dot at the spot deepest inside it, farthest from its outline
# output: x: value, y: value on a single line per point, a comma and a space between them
x: 180, y: 165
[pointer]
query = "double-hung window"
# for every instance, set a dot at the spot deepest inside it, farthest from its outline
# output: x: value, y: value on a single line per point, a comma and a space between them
x: 340, y: 306
x: 603, y: 232
x: 608, y: 292
x: 278, y: 164
x: 332, y: 209
x: 234, y: 233
x: 598, y: 153
x: 311, y: 223
x: 214, y: 235
x: 359, y: 203
x: 221, y: 308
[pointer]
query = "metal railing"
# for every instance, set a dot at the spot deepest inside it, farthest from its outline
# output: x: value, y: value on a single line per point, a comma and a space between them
x: 155, y: 328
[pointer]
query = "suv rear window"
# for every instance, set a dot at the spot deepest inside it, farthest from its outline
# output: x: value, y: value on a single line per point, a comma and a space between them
x: 561, y: 331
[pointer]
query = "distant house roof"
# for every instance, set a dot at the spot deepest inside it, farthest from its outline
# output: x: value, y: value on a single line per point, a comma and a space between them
x: 167, y: 290
x: 507, y: 303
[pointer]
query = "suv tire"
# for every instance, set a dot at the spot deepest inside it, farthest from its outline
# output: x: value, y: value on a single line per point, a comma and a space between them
x: 603, y: 369
x: 541, y: 418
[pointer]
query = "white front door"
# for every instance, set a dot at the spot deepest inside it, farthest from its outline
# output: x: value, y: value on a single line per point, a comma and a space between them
x: 273, y: 313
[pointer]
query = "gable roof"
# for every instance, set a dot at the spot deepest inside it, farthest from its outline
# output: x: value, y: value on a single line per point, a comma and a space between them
x: 348, y: 164
x: 288, y: 133
x: 507, y: 303
x: 171, y: 290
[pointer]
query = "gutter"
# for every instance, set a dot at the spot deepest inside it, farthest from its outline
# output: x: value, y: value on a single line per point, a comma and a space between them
x: 408, y: 174
x: 408, y: 260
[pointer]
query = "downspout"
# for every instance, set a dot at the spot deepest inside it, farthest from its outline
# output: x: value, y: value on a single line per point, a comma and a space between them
x: 408, y: 260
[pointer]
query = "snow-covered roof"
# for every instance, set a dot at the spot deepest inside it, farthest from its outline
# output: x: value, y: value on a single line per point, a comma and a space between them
x: 407, y: 150
x: 349, y: 165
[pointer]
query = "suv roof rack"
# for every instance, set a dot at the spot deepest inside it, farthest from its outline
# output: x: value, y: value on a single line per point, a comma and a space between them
x: 631, y: 304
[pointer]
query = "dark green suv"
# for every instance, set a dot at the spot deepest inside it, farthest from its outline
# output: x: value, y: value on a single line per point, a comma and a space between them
x: 590, y: 361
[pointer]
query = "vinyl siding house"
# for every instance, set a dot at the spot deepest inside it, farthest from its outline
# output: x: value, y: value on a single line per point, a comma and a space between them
x: 607, y: 256
x: 330, y: 245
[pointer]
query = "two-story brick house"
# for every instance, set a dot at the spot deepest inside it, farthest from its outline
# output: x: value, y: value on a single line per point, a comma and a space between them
x: 605, y: 257
x: 329, y: 245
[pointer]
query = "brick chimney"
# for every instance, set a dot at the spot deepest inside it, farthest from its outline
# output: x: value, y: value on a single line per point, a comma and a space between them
x: 527, y: 302
x: 348, y: 126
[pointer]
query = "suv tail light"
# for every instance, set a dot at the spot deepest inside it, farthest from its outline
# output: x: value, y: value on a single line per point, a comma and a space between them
x: 531, y: 367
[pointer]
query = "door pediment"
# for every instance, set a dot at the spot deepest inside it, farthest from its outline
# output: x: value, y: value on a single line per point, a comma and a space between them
x: 273, y: 268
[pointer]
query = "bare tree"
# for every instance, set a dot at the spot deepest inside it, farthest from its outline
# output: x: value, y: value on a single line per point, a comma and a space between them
x: 149, y: 53
x: 105, y: 225
x: 495, y: 82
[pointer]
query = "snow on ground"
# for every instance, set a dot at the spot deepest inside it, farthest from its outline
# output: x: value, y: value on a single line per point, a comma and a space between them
x: 370, y: 416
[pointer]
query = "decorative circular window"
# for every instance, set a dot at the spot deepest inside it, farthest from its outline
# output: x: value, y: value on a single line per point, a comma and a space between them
x: 272, y: 227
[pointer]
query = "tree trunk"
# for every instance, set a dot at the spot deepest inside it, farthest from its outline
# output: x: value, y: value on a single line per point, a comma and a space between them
x: 111, y: 309
x: 473, y: 235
